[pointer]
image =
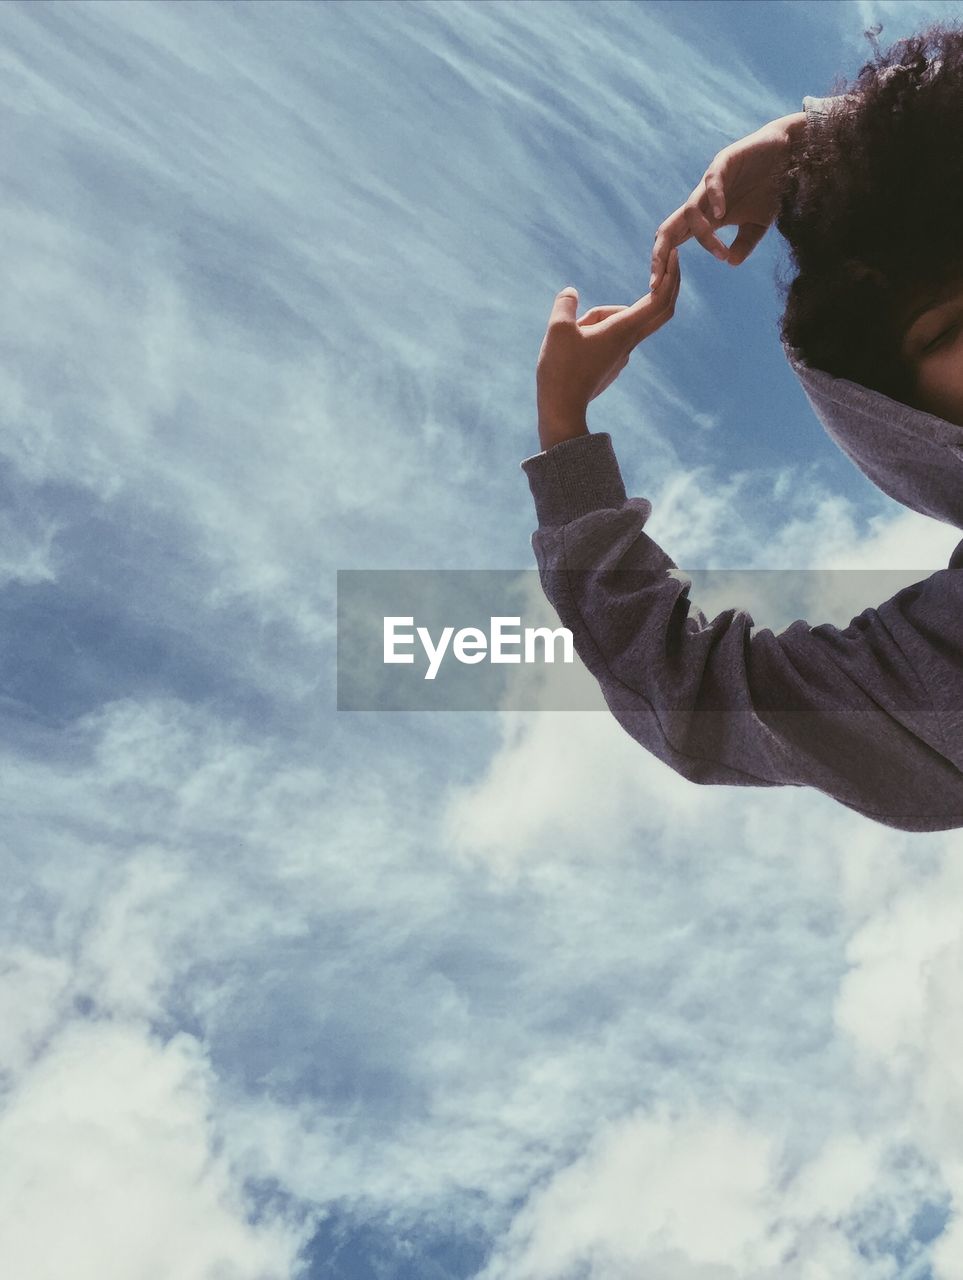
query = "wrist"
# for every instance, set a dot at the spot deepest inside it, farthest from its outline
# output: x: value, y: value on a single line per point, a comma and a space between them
x: 553, y: 431
x: 794, y: 125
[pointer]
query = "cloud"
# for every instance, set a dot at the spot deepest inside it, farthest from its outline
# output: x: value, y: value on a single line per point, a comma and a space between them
x: 274, y: 293
x: 570, y: 800
x: 701, y: 1195
x: 897, y: 1003
x: 112, y: 1159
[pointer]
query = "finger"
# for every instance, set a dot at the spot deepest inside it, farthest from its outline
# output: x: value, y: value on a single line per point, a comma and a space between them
x: 691, y: 220
x: 651, y: 310
x: 653, y: 320
x: 674, y: 297
x: 670, y: 234
x: 665, y: 297
x: 600, y: 313
x: 750, y: 233
x: 700, y: 226
x: 715, y: 193
x: 669, y: 291
x: 564, y: 307
x: 668, y: 282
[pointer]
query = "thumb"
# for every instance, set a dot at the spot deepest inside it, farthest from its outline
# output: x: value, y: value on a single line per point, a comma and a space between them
x: 565, y: 306
x: 749, y: 236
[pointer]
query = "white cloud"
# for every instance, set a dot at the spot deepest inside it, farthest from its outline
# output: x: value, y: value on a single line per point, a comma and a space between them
x: 653, y: 1191
x: 32, y: 998
x: 702, y: 1195
x: 112, y: 1169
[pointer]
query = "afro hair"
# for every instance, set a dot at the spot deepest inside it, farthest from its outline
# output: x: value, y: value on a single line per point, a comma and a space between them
x: 871, y: 210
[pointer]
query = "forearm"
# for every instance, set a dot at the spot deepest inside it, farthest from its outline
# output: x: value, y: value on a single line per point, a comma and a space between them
x: 660, y: 666
x: 719, y: 700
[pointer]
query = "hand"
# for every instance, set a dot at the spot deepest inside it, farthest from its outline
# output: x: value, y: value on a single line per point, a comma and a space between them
x: 580, y: 358
x: 739, y: 188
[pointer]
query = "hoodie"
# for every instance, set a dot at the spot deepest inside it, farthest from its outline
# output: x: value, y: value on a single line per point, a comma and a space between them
x: 871, y: 715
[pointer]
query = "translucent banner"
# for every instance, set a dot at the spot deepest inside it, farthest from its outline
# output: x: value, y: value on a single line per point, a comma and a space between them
x: 480, y: 639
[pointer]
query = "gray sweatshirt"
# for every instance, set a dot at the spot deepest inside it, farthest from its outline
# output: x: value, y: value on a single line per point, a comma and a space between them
x: 871, y: 715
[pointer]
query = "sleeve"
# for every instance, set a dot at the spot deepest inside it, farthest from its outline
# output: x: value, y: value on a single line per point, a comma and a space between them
x: 821, y: 106
x: 719, y: 701
x: 818, y: 109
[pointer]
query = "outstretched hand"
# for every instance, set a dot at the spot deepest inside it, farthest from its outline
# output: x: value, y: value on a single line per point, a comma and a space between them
x: 579, y: 358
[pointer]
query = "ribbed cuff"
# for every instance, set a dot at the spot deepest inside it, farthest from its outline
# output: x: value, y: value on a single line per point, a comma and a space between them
x: 574, y: 477
x: 817, y: 109
x: 818, y: 105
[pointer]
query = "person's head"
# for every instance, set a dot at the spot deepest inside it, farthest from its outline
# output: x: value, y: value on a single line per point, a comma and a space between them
x: 872, y: 213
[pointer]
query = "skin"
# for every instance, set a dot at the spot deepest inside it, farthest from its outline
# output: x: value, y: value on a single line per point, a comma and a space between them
x: 933, y: 346
x: 579, y: 358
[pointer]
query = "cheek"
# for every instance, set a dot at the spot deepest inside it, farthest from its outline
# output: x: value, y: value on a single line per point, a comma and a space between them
x: 939, y: 387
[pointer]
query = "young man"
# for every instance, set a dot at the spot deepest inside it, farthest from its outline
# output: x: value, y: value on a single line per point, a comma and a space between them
x: 866, y: 188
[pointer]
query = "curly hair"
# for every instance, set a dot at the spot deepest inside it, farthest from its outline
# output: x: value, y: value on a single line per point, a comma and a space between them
x: 871, y: 209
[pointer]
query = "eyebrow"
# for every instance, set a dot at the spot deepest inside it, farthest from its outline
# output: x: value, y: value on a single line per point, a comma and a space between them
x: 932, y: 300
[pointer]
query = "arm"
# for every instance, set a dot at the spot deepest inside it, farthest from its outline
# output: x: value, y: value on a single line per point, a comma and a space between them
x: 720, y: 702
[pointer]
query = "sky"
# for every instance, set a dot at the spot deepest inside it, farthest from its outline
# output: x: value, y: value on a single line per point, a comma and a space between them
x: 293, y: 993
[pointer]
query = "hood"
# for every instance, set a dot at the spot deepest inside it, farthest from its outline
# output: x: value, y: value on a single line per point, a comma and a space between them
x: 911, y: 455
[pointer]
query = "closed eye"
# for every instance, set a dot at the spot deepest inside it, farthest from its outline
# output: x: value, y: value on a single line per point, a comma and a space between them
x: 936, y: 341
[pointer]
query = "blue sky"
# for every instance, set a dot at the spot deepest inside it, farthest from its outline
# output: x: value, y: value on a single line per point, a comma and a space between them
x: 289, y: 993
